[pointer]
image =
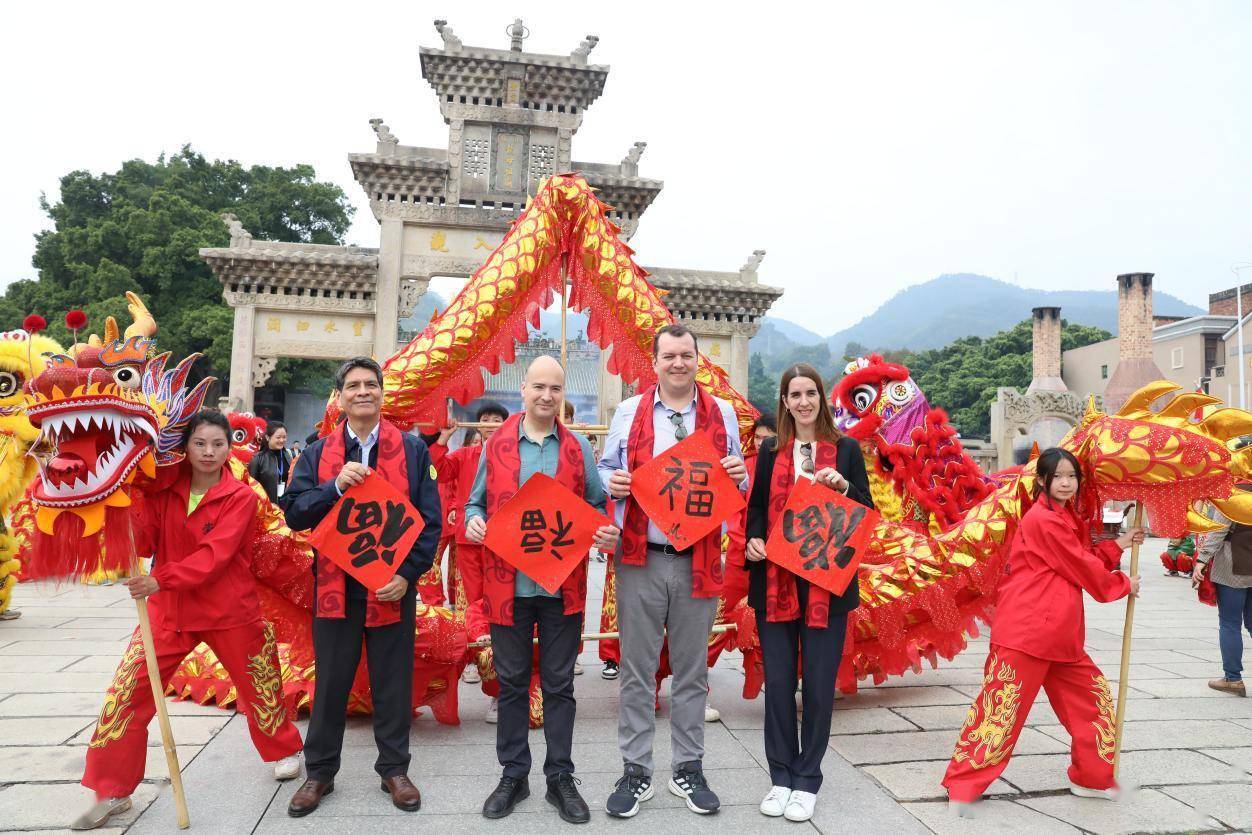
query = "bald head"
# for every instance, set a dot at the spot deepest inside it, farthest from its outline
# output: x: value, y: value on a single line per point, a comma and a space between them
x: 544, y: 389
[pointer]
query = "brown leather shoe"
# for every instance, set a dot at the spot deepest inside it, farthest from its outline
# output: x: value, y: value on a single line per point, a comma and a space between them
x: 1235, y: 688
x: 403, y: 793
x: 308, y: 797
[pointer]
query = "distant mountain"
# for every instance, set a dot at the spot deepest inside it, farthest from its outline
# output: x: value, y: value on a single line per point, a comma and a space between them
x: 936, y: 312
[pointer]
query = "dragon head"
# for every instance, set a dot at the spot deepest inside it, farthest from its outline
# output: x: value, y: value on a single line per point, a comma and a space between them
x: 1168, y: 459
x: 876, y: 397
x: 247, y: 433
x: 98, y: 424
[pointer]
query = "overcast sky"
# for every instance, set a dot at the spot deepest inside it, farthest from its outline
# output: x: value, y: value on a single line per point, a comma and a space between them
x: 865, y: 146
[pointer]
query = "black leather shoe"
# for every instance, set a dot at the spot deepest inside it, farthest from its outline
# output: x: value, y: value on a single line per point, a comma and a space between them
x: 508, y: 793
x: 563, y: 794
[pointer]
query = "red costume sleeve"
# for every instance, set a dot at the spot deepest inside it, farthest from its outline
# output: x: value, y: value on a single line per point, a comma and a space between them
x: 145, y: 528
x: 216, y: 548
x: 1111, y: 553
x: 448, y: 466
x: 1067, y: 557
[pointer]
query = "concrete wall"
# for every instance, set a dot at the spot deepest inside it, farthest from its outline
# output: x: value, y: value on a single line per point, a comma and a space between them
x: 1081, y: 368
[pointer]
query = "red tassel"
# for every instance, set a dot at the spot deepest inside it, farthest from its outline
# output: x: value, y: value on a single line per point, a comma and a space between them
x: 119, y: 542
x: 67, y: 555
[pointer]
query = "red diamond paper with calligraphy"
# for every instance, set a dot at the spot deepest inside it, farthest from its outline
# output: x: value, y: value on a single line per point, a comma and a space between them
x: 369, y: 531
x: 821, y: 535
x: 685, y: 491
x: 544, y: 531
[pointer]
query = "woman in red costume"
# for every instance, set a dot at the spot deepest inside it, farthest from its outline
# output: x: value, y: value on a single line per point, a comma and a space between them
x: 199, y: 531
x: 1037, y: 636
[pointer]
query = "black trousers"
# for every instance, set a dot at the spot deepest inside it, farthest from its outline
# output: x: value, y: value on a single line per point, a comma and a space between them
x: 389, y: 652
x: 796, y: 762
x: 512, y: 647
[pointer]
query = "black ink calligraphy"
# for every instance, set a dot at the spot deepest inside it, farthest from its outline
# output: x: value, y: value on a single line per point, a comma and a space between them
x: 698, y: 499
x: 363, y: 519
x: 821, y: 528
x: 535, y: 533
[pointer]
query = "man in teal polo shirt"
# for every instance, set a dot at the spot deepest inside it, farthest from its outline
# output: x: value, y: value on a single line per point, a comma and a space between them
x: 558, y: 616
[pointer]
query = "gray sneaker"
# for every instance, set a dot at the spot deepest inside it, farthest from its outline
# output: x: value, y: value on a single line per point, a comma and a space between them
x: 99, y: 814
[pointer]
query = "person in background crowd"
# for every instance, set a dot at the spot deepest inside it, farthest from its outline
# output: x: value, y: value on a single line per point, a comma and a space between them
x: 271, y: 465
x: 1229, y: 551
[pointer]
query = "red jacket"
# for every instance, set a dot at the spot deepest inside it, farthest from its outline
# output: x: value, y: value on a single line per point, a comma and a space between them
x: 1040, y: 610
x: 202, y: 561
x: 456, y: 475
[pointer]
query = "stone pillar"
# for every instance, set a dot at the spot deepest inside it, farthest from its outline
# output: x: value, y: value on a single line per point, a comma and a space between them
x: 241, y: 356
x: 387, y: 291
x: 737, y: 368
x: 1135, y: 366
x: 1046, y: 349
x: 609, y: 392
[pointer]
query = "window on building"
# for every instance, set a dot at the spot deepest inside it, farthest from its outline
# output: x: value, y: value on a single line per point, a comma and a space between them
x: 1175, y: 358
x: 1104, y: 372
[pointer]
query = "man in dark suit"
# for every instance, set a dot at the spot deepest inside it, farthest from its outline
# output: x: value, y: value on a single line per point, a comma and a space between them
x: 345, y: 612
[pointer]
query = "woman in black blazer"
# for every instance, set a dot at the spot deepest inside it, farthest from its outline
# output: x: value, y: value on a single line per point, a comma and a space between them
x: 799, y: 623
x: 272, y: 462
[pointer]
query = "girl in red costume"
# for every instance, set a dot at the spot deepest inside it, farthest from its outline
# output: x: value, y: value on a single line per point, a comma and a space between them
x: 1037, y: 636
x: 199, y: 531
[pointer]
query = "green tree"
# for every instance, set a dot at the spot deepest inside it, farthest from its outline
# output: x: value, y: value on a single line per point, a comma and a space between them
x: 962, y: 377
x: 762, y: 391
x: 140, y: 228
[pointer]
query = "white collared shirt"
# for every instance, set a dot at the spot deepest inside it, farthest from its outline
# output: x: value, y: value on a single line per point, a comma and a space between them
x: 367, y: 444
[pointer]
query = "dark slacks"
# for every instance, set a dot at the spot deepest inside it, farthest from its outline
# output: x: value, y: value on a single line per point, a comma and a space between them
x: 795, y: 762
x: 389, y: 652
x: 512, y: 647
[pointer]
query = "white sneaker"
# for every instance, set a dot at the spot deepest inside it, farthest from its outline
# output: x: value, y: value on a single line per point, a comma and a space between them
x: 288, y: 768
x: 800, y: 806
x: 99, y: 814
x: 578, y: 668
x: 493, y: 712
x: 470, y: 675
x: 1113, y: 794
x: 775, y: 803
x: 711, y: 714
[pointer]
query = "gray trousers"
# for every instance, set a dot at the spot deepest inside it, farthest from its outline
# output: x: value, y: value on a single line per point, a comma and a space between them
x: 651, y: 598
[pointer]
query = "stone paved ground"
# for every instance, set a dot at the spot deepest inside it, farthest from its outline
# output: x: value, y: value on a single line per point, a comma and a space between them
x: 1188, y: 748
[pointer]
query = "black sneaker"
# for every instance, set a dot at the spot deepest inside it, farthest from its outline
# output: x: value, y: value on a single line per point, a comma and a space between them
x: 563, y: 794
x: 688, y: 783
x: 634, y: 788
x: 508, y: 793
x: 609, y: 673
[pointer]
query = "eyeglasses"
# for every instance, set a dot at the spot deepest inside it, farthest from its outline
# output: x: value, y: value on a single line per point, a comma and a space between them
x: 806, y: 460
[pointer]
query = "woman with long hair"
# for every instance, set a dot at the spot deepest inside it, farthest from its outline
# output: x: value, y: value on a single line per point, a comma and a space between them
x: 199, y: 533
x: 1037, y: 638
x: 800, y: 625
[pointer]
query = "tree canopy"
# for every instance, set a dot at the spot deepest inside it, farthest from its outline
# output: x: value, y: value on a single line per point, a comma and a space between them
x: 141, y: 228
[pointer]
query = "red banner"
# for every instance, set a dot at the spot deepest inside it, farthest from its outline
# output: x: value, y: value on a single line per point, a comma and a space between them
x: 369, y: 531
x: 544, y: 531
x: 821, y: 536
x: 685, y: 491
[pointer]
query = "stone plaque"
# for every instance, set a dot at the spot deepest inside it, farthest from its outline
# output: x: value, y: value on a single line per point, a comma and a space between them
x: 313, y: 335
x: 509, y: 171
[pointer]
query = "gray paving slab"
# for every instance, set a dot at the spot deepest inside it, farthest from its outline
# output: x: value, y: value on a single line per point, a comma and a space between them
x: 1232, y: 805
x: 866, y: 749
x: 988, y: 816
x: 951, y: 717
x: 13, y: 682
x: 1147, y: 810
x: 923, y: 780
x: 77, y: 647
x: 56, y: 805
x: 187, y: 730
x: 1238, y: 757
x: 64, y: 763
x: 86, y: 704
x: 43, y: 731
x: 1047, y: 772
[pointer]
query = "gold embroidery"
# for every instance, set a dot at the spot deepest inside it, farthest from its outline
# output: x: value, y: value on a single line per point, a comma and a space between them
x: 116, y: 713
x: 268, y: 708
x: 987, y: 741
x: 1105, y: 722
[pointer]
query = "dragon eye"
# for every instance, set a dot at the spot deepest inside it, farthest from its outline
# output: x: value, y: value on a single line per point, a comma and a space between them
x: 863, y: 397
x: 238, y: 436
x: 899, y: 393
x: 127, y: 378
x: 10, y: 384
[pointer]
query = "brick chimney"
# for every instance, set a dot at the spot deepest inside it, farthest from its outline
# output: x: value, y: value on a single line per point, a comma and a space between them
x: 1135, y: 366
x: 1046, y: 349
x: 1225, y: 303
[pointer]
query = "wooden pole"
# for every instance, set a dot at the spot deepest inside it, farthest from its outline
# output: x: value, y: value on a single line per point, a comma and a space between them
x: 167, y: 733
x: 1127, y: 629
x: 610, y: 636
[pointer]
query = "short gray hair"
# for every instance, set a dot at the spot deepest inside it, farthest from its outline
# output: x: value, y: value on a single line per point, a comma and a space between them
x: 357, y: 362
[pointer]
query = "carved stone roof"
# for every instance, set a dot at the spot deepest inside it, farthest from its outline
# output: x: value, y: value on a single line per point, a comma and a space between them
x: 630, y: 196
x: 277, y: 273
x: 478, y: 73
x: 409, y: 174
x: 709, y: 296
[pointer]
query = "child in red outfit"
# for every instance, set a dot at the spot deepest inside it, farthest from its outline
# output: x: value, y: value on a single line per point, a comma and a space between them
x: 1037, y: 636
x: 199, y: 531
